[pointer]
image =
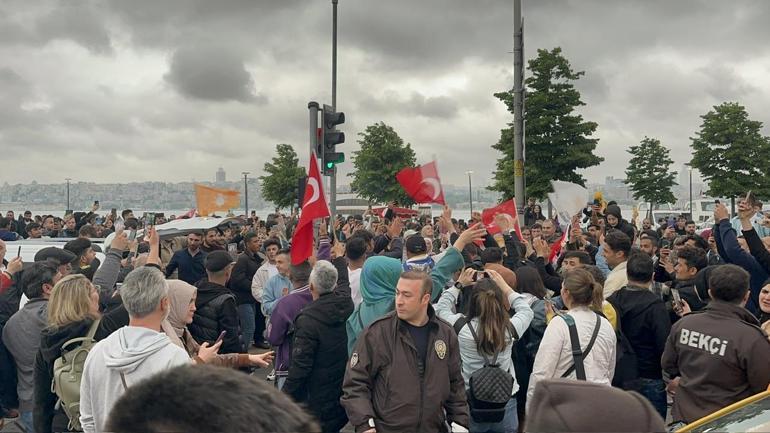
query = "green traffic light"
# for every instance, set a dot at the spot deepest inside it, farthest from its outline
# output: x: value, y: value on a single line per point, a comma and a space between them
x: 329, y: 165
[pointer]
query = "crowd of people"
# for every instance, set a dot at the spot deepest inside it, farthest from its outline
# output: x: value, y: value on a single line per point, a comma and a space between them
x: 392, y: 325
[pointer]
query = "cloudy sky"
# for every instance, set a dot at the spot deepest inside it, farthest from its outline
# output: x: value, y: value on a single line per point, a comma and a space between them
x: 118, y: 90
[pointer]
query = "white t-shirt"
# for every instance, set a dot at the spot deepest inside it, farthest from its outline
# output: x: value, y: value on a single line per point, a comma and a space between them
x: 354, y: 276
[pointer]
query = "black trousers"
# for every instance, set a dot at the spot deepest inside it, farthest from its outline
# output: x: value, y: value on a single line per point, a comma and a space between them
x: 259, y: 329
x: 8, y: 397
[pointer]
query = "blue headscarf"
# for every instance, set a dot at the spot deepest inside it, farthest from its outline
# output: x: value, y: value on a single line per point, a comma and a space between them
x: 379, y: 277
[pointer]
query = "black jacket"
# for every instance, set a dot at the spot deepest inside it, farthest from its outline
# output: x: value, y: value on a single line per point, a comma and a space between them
x: 46, y: 418
x: 319, y: 358
x: 216, y: 312
x: 243, y: 273
x: 645, y: 322
x: 689, y: 293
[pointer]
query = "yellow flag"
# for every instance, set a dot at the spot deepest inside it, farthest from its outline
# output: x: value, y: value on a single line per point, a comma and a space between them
x: 211, y: 200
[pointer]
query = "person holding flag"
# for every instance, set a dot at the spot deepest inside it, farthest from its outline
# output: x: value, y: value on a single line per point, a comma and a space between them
x: 313, y: 206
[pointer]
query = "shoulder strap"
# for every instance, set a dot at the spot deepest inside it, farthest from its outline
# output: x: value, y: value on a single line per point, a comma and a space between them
x: 476, y: 340
x: 459, y: 324
x: 92, y: 330
x: 579, y: 355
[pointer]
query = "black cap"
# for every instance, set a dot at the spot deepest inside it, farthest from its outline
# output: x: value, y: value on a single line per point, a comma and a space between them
x: 415, y: 244
x: 60, y: 255
x: 217, y: 261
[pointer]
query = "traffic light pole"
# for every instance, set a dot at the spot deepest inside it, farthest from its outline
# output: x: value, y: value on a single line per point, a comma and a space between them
x: 312, y: 107
x: 333, y: 177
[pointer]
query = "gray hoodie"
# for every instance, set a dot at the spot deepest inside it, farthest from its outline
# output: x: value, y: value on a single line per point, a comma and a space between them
x: 137, y: 353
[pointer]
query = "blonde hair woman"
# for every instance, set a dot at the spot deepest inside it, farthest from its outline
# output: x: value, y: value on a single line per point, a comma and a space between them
x: 73, y: 308
x: 582, y: 296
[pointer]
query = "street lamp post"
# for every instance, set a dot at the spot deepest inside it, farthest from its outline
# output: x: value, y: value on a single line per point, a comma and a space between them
x: 470, y: 191
x: 68, y: 192
x: 246, y: 192
x: 692, y: 212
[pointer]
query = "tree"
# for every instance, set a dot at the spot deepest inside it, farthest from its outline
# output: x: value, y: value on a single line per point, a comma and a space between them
x: 558, y: 141
x: 279, y: 184
x: 731, y: 153
x: 648, y: 173
x: 382, y: 155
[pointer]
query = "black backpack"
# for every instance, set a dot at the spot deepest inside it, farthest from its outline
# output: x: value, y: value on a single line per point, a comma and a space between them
x: 490, y: 387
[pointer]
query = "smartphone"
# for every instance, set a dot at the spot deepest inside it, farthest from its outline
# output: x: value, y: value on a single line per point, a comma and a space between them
x: 131, y: 235
x: 676, y: 297
x: 716, y: 201
x: 18, y: 253
x: 96, y: 202
x: 119, y: 225
x: 114, y: 211
x: 150, y: 221
x: 221, y: 336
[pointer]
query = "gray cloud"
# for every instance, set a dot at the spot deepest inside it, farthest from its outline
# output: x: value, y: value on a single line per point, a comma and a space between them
x: 77, y: 21
x: 155, y: 77
x: 211, y: 73
x: 442, y: 107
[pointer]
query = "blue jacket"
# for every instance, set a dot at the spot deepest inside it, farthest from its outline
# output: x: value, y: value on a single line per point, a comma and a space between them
x: 8, y: 236
x: 731, y: 252
x: 273, y: 292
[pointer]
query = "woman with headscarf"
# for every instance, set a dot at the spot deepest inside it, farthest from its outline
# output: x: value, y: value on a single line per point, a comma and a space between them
x: 380, y: 275
x: 181, y: 297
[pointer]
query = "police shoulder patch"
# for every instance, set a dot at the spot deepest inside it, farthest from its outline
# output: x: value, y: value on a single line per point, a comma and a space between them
x: 440, y: 347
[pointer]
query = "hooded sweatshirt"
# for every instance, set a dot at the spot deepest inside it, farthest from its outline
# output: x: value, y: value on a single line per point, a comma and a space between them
x: 623, y: 225
x: 135, y: 352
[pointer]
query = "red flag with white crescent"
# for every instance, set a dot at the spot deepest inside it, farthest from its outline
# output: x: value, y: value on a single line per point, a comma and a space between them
x: 313, y: 206
x: 507, y: 208
x: 422, y: 183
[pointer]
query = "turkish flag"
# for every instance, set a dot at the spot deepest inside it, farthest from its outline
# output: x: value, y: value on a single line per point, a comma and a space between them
x: 505, y: 208
x: 422, y: 183
x: 313, y: 206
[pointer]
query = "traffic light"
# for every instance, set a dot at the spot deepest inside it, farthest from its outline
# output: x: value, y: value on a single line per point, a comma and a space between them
x: 331, y: 138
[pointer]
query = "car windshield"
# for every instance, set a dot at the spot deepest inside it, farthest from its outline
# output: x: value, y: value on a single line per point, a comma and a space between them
x: 752, y: 417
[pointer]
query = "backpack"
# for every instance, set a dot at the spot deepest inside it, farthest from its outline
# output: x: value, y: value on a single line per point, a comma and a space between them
x: 489, y: 388
x: 67, y: 373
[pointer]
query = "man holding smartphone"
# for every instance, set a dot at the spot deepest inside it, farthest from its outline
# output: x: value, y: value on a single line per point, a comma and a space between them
x: 216, y: 307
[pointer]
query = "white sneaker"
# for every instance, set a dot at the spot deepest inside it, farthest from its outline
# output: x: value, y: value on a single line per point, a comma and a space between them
x: 271, y: 376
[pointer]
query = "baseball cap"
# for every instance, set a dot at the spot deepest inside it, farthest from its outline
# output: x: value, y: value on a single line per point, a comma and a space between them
x: 416, y: 245
x: 409, y: 233
x: 217, y: 261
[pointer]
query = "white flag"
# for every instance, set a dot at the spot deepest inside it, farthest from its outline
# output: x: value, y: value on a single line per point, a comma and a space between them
x: 569, y: 199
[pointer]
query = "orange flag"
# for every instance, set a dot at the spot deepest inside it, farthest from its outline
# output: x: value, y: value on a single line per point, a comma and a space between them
x: 211, y: 200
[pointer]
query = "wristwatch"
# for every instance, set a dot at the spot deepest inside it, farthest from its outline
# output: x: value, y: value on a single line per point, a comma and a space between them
x: 459, y: 286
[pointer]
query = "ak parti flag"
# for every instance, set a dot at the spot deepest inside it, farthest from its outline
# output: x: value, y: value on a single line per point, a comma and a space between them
x: 422, y: 183
x: 313, y: 206
x: 210, y: 200
x: 505, y: 208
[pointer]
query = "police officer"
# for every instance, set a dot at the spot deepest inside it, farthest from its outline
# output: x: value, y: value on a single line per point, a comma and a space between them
x: 717, y: 356
x: 404, y: 373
